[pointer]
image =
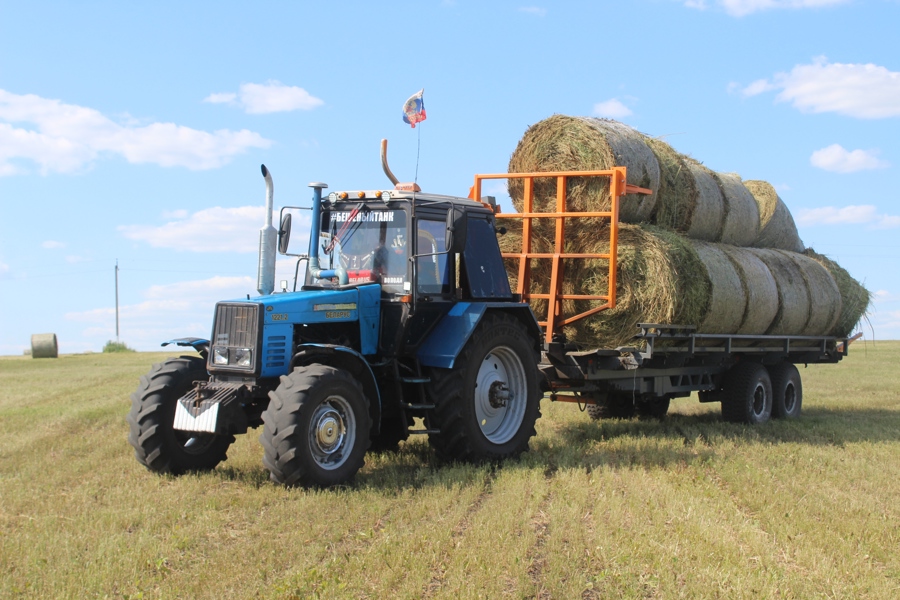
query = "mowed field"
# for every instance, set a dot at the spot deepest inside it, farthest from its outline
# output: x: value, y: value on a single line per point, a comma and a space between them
x: 689, y: 507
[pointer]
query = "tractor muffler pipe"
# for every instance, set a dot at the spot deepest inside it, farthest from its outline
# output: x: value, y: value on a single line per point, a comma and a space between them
x: 265, y: 282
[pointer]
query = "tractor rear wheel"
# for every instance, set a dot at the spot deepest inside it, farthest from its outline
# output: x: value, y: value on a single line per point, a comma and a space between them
x: 316, y: 428
x: 747, y: 394
x: 488, y: 403
x: 157, y: 445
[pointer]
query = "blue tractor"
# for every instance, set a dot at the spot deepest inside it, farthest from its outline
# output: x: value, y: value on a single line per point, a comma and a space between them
x: 404, y: 324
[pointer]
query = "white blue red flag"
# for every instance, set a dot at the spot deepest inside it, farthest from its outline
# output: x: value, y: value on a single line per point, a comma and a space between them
x: 414, y: 109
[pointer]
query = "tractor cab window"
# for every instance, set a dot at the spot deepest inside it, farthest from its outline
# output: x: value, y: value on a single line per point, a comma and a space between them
x: 371, y: 245
x: 432, y: 273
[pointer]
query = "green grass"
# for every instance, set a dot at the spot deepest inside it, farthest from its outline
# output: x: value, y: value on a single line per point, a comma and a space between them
x: 690, y: 507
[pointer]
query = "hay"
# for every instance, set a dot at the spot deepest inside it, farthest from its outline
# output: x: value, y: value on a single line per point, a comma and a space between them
x: 709, y: 207
x: 43, y: 345
x: 677, y: 188
x: 759, y: 288
x: 728, y: 297
x: 562, y: 143
x: 824, y: 296
x: 740, y: 224
x: 793, y: 294
x: 855, y: 298
x: 776, y: 225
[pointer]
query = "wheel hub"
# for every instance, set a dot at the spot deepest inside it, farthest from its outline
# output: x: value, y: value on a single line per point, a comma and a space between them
x: 498, y: 394
x: 329, y: 431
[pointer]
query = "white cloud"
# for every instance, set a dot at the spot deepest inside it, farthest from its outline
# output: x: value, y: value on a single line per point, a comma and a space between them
x: 212, y: 230
x: 612, y: 108
x: 272, y: 96
x: 885, y: 296
x: 65, y: 138
x: 865, y: 214
x: 840, y: 160
x: 741, y: 8
x: 52, y: 245
x: 534, y: 10
x: 167, y: 311
x: 864, y: 91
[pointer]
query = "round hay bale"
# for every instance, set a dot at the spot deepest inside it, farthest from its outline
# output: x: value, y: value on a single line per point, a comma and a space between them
x: 709, y: 207
x: 776, y: 225
x: 562, y: 143
x: 740, y: 224
x: 43, y: 345
x: 677, y: 187
x: 824, y: 296
x: 793, y: 293
x: 759, y: 288
x: 727, y: 298
x: 855, y: 298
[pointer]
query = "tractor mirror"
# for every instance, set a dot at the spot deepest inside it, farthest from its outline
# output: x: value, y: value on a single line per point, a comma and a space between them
x: 284, y: 233
x: 455, y: 240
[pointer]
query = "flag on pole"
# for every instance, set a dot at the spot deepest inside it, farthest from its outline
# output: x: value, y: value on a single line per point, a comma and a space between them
x: 414, y: 109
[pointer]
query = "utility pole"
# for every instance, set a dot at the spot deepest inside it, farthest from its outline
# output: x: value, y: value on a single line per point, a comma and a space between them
x: 117, y: 300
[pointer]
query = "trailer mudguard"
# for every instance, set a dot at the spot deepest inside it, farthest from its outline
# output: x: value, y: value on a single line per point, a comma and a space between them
x: 447, y: 339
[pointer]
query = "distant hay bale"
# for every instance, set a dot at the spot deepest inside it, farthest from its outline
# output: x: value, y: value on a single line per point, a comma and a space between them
x: 562, y: 143
x: 728, y: 297
x: 740, y: 223
x: 793, y: 293
x: 776, y: 225
x: 43, y: 345
x: 855, y: 298
x: 759, y: 288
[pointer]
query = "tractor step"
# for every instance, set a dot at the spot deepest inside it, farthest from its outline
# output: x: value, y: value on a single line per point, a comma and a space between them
x: 415, y: 379
x: 423, y: 431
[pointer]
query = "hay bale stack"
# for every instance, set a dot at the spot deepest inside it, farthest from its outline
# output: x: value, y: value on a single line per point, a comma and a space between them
x: 855, y: 298
x: 562, y: 143
x: 740, y: 223
x: 43, y: 345
x: 776, y: 225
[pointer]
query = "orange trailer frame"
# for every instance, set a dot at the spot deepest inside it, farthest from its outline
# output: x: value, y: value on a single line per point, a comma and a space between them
x: 555, y: 319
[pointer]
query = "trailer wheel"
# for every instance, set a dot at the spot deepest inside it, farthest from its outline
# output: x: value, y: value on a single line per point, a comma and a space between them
x: 157, y: 445
x: 614, y: 405
x: 787, y: 391
x: 487, y: 404
x: 653, y: 407
x: 316, y: 428
x: 747, y: 394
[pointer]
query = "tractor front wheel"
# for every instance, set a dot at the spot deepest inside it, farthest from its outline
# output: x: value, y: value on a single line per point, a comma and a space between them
x: 316, y: 428
x: 157, y: 445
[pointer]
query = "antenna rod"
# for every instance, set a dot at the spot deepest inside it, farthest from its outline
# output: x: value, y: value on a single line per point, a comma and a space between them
x: 117, y: 299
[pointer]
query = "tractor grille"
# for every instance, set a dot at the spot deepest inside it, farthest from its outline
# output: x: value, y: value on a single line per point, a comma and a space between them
x: 236, y: 326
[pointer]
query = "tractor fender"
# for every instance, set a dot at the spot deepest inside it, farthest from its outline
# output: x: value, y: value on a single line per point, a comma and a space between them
x: 348, y: 359
x: 450, y: 335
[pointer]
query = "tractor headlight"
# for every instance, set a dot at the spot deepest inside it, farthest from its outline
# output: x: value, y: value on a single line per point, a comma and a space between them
x: 243, y: 357
x: 220, y: 355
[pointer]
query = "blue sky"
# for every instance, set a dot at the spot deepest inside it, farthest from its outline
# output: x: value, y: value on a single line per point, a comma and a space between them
x: 134, y: 131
